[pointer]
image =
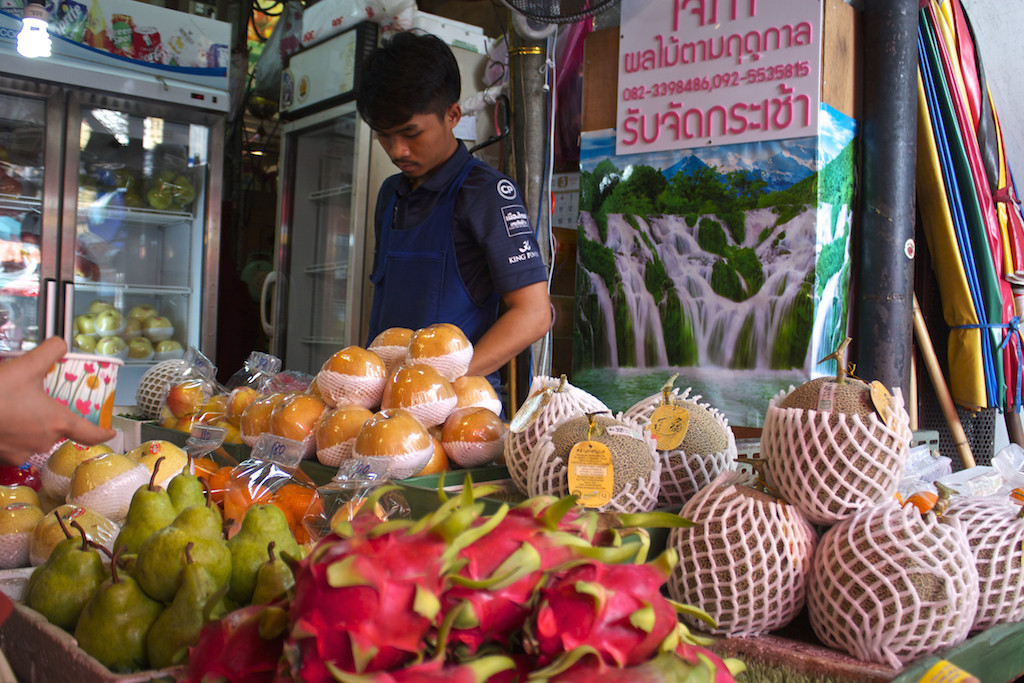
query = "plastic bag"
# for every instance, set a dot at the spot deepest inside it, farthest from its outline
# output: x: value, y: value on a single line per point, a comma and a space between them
x: 342, y: 498
x: 926, y: 465
x: 1009, y: 462
x: 257, y: 371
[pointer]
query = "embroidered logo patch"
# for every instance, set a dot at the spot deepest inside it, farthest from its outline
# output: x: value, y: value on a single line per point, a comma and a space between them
x: 506, y: 188
x: 517, y: 221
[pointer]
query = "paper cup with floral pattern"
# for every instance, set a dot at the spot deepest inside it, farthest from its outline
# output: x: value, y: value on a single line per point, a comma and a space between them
x: 85, y: 383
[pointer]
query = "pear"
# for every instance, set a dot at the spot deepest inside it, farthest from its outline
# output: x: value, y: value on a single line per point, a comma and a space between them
x: 262, y: 524
x: 114, y: 623
x: 67, y: 580
x: 186, y: 490
x: 273, y: 580
x: 161, y: 558
x: 151, y: 509
x: 178, y: 627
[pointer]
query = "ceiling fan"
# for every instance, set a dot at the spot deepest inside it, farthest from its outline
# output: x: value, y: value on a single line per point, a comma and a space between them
x: 537, y: 19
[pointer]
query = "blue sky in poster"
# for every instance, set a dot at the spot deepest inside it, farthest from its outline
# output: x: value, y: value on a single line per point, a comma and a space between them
x: 784, y: 162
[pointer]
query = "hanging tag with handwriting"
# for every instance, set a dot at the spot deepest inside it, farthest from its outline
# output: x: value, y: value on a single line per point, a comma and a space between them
x: 669, y: 425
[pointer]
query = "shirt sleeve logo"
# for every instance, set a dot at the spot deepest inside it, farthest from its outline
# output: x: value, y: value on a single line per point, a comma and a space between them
x: 517, y: 221
x: 506, y: 188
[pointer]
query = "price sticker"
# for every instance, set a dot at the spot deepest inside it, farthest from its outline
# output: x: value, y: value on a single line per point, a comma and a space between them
x: 946, y: 672
x: 591, y: 474
x: 669, y: 425
x: 827, y: 397
x: 882, y: 400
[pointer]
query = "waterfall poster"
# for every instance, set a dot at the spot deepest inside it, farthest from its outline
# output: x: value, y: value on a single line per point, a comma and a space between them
x: 728, y: 265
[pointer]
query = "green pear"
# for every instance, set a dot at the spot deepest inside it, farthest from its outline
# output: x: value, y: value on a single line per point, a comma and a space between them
x: 262, y: 524
x: 161, y: 558
x: 62, y: 585
x: 178, y: 627
x: 273, y: 580
x: 114, y: 623
x: 186, y: 490
x: 151, y: 509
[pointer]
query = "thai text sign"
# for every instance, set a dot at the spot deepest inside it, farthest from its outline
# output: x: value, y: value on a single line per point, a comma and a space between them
x: 712, y: 72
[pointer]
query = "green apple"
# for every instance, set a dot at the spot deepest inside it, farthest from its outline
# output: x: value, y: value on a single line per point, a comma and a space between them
x: 169, y: 349
x: 85, y: 323
x: 160, y: 197
x: 140, y: 348
x: 158, y: 328
x: 85, y: 343
x: 184, y: 193
x: 109, y: 322
x: 142, y: 311
x: 100, y: 305
x: 112, y: 346
x: 132, y: 329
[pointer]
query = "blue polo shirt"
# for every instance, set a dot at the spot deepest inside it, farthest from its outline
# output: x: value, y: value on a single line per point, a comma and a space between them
x: 495, y: 247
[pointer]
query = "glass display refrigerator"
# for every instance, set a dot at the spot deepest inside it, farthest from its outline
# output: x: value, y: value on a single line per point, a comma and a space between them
x: 110, y: 186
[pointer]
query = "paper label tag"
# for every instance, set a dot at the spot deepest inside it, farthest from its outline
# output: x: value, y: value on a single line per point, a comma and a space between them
x: 946, y: 672
x: 591, y: 475
x: 669, y: 425
x: 826, y: 397
x: 882, y: 400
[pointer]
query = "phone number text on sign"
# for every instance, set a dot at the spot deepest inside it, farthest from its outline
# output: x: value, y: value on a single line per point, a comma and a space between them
x: 726, y: 80
x: 710, y: 72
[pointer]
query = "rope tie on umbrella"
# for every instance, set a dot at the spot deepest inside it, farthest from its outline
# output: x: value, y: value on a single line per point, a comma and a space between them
x: 1013, y: 332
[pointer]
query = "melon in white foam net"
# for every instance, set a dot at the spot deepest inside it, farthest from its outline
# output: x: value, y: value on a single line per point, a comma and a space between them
x: 551, y: 400
x: 890, y: 585
x: 745, y: 561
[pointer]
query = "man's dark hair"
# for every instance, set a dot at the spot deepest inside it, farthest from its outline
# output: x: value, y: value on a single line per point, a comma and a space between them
x: 409, y: 74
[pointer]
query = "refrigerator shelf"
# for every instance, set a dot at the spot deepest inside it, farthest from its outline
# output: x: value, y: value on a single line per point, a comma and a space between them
x: 338, y: 342
x: 148, y: 217
x: 20, y: 203
x: 83, y: 285
x: 328, y: 192
x: 339, y: 267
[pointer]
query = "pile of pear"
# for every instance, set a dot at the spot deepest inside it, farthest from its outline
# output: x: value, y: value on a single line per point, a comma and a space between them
x: 172, y: 569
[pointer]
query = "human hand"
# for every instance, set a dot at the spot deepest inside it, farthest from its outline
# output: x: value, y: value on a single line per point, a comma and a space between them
x: 30, y: 421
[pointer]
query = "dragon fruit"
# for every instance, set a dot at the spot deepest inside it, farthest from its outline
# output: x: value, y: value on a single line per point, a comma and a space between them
x: 617, y: 609
x: 686, y: 664
x: 480, y: 670
x: 242, y: 647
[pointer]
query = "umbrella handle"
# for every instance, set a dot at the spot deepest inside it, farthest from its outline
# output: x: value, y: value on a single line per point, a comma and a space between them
x: 931, y: 362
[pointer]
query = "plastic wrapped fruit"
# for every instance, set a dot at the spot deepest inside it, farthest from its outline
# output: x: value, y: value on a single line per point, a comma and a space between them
x: 295, y: 417
x: 256, y: 417
x: 337, y: 431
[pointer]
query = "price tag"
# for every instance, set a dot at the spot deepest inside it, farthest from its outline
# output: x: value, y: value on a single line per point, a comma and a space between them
x: 591, y: 475
x: 826, y: 397
x: 882, y: 400
x: 669, y: 425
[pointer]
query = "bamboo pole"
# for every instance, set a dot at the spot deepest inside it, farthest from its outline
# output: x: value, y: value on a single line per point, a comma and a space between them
x: 931, y: 362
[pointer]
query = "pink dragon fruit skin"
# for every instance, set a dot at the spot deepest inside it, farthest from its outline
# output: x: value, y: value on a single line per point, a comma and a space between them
x: 242, y: 647
x: 364, y: 603
x: 616, y: 609
x: 502, y: 611
x: 667, y: 667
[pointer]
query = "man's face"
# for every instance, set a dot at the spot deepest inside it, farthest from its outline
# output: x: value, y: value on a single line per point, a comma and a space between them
x: 419, y: 146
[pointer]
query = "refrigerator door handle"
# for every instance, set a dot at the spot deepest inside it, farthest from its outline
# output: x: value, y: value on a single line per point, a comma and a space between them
x: 271, y: 279
x: 49, y: 308
x: 69, y: 312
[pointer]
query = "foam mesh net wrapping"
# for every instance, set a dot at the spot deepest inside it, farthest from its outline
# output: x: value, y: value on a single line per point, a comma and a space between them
x: 995, y: 533
x: 393, y: 355
x: 472, y: 453
x: 889, y: 585
x: 548, y: 474
x: 433, y: 413
x: 745, y: 561
x: 832, y: 468
x: 450, y: 365
x: 682, y: 473
x: 333, y: 456
x: 338, y: 389
x: 400, y: 466
x: 569, y: 402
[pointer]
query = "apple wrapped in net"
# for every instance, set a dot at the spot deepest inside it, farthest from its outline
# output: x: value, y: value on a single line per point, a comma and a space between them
x: 353, y: 375
x: 393, y: 441
x: 890, y: 585
x: 634, y: 466
x: 707, y: 449
x: 746, y: 559
x: 422, y: 391
x: 442, y: 346
x: 392, y: 346
x: 551, y: 400
x: 473, y: 437
x: 337, y: 431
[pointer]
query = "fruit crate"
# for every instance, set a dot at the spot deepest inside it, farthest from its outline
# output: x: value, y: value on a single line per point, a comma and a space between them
x: 36, y: 650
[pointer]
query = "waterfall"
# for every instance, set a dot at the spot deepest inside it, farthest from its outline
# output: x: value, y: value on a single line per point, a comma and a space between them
x: 727, y: 333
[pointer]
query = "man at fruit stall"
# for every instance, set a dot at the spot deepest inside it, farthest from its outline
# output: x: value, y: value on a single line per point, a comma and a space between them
x: 33, y: 422
x: 454, y: 239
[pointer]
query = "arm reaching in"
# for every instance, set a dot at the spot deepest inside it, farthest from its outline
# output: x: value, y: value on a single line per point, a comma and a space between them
x: 526, y: 318
x: 32, y: 422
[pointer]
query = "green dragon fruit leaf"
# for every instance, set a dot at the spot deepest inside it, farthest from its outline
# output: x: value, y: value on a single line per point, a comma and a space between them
x: 273, y: 622
x: 342, y: 574
x: 426, y: 603
x: 643, y: 618
x: 694, y: 612
x: 594, y: 590
x: 523, y: 562
x: 651, y: 520
x: 562, y: 663
x: 555, y: 512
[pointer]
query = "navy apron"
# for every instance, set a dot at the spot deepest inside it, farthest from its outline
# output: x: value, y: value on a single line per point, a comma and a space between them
x: 416, y: 280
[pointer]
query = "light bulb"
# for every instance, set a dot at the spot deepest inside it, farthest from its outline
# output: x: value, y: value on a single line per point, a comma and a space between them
x: 34, y: 39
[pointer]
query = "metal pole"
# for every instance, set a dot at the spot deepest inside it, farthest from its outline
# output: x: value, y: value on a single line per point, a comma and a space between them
x: 885, y: 283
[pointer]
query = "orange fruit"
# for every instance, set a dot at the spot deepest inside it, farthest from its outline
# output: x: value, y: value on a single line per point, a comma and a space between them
x: 218, y: 481
x: 923, y: 500
x: 294, y: 500
x: 239, y: 496
x: 438, y: 462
